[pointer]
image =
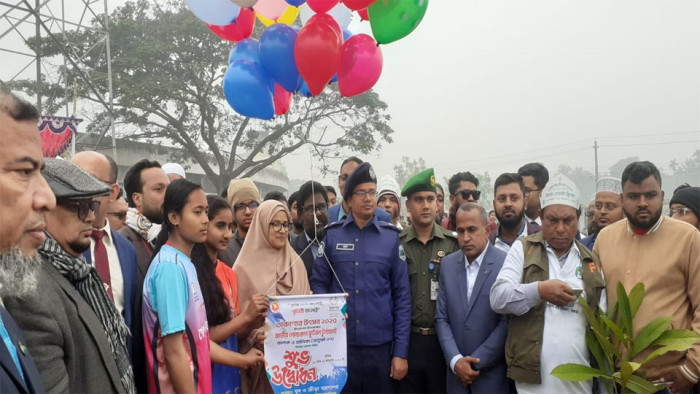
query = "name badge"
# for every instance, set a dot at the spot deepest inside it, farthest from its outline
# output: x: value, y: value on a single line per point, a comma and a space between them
x: 345, y: 247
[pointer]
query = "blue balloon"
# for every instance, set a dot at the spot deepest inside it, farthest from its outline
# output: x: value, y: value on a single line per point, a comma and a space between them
x: 248, y: 48
x: 247, y: 90
x: 296, y: 3
x: 304, y: 90
x: 277, y: 55
x: 214, y: 12
x: 346, y: 34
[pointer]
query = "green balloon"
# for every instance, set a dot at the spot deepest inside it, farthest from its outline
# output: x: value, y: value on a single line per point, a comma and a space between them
x: 393, y: 20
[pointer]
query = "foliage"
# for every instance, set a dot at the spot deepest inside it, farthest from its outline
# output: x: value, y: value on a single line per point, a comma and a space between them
x: 611, y: 341
x: 408, y: 168
x: 167, y: 72
x: 619, y: 166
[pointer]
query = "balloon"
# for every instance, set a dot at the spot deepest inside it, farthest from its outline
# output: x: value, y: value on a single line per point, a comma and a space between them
x: 357, y: 5
x: 277, y: 55
x: 296, y: 3
x: 247, y: 90
x: 346, y: 34
x: 282, y: 100
x: 215, y: 12
x: 392, y: 20
x: 248, y: 49
x: 304, y: 90
x: 288, y: 17
x: 317, y: 53
x: 340, y: 13
x: 241, y: 28
x: 271, y: 9
x: 327, y: 20
x: 245, y: 3
x: 360, y: 65
x: 321, y: 6
x: 363, y: 14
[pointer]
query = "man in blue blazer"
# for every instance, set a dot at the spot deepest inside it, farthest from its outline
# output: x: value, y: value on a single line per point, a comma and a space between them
x: 471, y: 335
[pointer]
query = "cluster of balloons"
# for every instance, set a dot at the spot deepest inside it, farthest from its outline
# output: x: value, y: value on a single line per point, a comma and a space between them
x: 263, y: 74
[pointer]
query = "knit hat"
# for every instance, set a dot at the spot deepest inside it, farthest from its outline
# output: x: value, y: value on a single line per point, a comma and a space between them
x: 689, y: 197
x: 560, y: 190
x: 388, y: 185
x: 422, y: 181
x: 609, y: 184
x: 240, y: 190
x: 362, y: 174
x: 69, y: 181
x: 174, y: 168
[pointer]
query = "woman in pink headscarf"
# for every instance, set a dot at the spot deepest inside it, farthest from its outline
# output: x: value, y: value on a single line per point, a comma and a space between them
x: 267, y: 264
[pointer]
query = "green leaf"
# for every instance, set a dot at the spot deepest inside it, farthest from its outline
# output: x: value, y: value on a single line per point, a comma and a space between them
x: 678, y: 347
x: 636, y: 297
x: 625, y: 312
x: 596, y: 350
x: 608, y: 347
x: 576, y: 372
x: 613, y: 327
x: 625, y: 371
x: 590, y: 317
x: 677, y: 336
x: 640, y: 385
x: 649, y: 334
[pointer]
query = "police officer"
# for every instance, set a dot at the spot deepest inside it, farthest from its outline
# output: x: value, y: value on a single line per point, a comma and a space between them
x: 370, y: 265
x: 425, y: 243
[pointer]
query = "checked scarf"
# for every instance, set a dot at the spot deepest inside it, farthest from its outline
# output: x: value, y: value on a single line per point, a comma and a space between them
x: 88, y: 283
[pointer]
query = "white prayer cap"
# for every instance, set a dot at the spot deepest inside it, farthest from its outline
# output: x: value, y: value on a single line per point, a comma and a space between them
x: 560, y: 190
x: 174, y: 168
x: 609, y: 184
x: 388, y: 185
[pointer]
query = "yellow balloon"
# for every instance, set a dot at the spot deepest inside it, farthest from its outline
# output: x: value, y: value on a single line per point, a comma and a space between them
x: 288, y: 17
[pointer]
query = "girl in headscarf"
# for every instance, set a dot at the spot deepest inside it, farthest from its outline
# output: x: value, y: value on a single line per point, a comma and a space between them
x: 267, y: 264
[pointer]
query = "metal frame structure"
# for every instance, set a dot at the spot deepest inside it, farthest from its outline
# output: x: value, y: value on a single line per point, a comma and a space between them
x: 24, y: 19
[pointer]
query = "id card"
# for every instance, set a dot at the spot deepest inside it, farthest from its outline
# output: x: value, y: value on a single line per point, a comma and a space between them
x: 434, y: 286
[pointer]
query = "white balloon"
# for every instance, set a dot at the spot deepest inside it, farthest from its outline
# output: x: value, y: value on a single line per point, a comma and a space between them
x: 245, y: 3
x: 340, y: 13
x: 214, y: 12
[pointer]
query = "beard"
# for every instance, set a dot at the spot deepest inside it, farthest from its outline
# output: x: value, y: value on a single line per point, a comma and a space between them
x: 153, y: 215
x: 18, y: 273
x: 80, y: 246
x: 643, y: 224
x: 514, y: 221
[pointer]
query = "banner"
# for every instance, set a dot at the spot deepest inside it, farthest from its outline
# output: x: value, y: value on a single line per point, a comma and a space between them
x: 56, y: 134
x: 306, y: 344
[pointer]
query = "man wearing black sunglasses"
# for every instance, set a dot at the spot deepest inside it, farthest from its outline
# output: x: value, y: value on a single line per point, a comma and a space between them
x: 463, y: 188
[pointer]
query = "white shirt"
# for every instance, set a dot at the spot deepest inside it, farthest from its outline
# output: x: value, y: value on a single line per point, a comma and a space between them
x: 538, y: 220
x: 564, y: 336
x: 502, y: 245
x: 472, y: 273
x: 115, y: 268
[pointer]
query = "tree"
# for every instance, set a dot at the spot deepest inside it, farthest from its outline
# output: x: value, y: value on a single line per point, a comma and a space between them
x: 408, y: 168
x: 167, y: 72
x: 617, y: 168
x: 584, y: 180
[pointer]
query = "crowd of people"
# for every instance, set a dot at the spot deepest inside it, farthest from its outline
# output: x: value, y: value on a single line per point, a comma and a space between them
x: 157, y: 286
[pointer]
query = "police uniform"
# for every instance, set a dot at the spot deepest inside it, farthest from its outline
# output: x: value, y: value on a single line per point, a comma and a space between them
x: 371, y: 267
x: 426, y: 363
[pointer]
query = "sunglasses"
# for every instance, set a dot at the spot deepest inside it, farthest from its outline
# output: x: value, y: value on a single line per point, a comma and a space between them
x: 119, y: 215
x: 466, y: 193
x: 81, y: 207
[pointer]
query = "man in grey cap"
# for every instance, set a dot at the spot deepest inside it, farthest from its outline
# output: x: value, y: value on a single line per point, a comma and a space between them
x: 77, y: 338
x: 608, y: 207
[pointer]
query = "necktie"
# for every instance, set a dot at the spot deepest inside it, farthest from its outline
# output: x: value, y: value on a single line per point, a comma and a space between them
x: 10, y: 347
x: 101, y: 261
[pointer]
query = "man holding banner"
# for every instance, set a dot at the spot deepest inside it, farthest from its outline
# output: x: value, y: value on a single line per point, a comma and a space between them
x: 366, y: 257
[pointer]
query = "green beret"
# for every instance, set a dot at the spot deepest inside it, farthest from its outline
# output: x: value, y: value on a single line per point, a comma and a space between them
x: 421, y: 182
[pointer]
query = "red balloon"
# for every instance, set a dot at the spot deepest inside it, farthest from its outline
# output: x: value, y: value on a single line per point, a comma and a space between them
x: 282, y: 99
x: 239, y: 30
x: 357, y: 5
x: 360, y: 65
x: 364, y: 15
x: 328, y: 20
x: 317, y: 55
x: 322, y: 6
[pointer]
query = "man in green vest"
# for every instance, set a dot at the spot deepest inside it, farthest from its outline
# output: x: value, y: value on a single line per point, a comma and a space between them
x: 425, y: 243
x: 541, y: 279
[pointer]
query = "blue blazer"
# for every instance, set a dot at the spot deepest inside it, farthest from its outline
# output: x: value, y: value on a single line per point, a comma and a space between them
x: 10, y: 379
x: 471, y: 328
x: 333, y: 212
x: 127, y: 260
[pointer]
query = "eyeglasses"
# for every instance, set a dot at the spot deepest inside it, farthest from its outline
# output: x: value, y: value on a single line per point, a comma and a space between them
x: 320, y: 208
x: 529, y: 190
x: 362, y: 193
x: 466, y: 193
x: 81, y: 207
x: 251, y: 205
x: 119, y: 215
x: 608, y: 206
x: 281, y: 226
x: 590, y: 214
x: 680, y: 211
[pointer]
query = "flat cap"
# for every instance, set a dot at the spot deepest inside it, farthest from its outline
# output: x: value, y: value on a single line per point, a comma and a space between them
x: 421, y: 182
x: 362, y: 174
x: 67, y: 180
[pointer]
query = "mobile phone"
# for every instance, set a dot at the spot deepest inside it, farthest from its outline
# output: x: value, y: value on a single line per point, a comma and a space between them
x: 577, y: 294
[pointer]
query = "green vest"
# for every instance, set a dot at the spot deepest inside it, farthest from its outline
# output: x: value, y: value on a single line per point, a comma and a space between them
x: 524, y: 342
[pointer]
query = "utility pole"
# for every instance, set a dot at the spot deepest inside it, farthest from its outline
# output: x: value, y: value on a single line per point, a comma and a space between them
x: 595, y: 151
x: 37, y: 34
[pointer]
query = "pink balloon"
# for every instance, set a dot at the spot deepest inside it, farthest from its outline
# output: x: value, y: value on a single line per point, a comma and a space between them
x: 360, y: 65
x: 357, y: 5
x: 282, y: 99
x: 271, y: 9
x: 321, y: 6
